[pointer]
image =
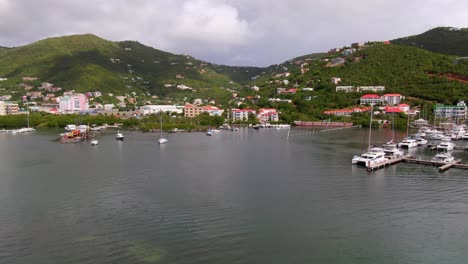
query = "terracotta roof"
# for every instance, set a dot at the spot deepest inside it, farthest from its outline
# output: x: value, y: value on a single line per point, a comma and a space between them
x: 369, y: 96
x: 392, y: 95
x: 392, y: 110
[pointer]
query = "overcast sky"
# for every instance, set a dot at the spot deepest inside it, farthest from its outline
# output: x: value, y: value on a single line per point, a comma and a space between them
x: 233, y: 32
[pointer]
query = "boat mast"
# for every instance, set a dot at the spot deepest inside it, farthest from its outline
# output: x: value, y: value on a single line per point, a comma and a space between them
x: 370, y: 125
x: 160, y: 121
x: 27, y: 112
x: 407, y: 125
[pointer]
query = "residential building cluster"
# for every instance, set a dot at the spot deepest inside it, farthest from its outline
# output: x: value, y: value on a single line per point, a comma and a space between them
x: 264, y: 115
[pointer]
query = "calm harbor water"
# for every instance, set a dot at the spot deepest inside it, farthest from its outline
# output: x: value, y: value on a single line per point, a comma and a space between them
x: 236, y: 197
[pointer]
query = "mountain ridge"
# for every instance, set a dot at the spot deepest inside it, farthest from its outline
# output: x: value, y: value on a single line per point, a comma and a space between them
x: 444, y: 40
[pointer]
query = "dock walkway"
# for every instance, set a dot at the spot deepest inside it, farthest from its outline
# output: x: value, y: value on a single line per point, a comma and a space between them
x: 410, y: 159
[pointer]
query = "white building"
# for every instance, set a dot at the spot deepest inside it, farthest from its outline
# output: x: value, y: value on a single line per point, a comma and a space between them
x: 241, y: 114
x: 374, y: 89
x: 451, y: 111
x: 392, y: 99
x: 108, y: 107
x: 154, y: 109
x: 346, y: 89
x: 73, y: 103
x: 213, y: 110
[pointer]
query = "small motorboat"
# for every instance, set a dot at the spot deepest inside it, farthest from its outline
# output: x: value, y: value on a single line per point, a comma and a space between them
x: 94, y: 142
x: 119, y: 136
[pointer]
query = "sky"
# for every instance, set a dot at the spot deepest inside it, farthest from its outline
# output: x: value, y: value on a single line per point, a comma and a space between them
x: 231, y: 32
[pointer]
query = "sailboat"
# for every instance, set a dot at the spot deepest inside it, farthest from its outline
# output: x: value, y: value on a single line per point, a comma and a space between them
x: 373, y: 155
x: 25, y: 129
x: 161, y: 140
x: 391, y: 148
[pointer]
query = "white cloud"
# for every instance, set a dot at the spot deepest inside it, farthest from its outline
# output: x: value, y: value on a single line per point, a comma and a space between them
x: 212, y: 23
x: 229, y: 31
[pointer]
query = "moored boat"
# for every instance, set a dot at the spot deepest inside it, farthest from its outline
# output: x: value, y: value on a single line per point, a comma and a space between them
x: 74, y: 136
x: 119, y: 136
x: 392, y: 151
x: 94, y: 142
x: 443, y: 158
x: 408, y: 143
x: 375, y: 155
x: 446, y: 145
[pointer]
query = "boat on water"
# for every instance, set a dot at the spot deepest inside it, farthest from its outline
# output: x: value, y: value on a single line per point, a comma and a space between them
x: 70, y: 128
x: 82, y: 128
x: 421, y: 141
x: 94, y: 142
x: 26, y: 129
x: 119, y: 136
x: 446, y: 145
x: 209, y: 133
x: 161, y: 139
x: 74, y: 136
x: 392, y: 151
x: 443, y: 158
x: 374, y: 155
x: 458, y: 132
x: 23, y: 130
x: 408, y: 143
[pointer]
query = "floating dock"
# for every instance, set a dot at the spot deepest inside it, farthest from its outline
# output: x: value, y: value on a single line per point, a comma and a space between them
x: 410, y: 159
x: 386, y: 163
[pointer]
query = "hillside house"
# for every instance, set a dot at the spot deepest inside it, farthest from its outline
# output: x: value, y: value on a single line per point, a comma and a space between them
x: 369, y: 99
x: 392, y: 99
x: 374, y: 89
x: 268, y: 115
x: 346, y: 89
x: 241, y: 114
x: 337, y: 61
x: 335, y: 80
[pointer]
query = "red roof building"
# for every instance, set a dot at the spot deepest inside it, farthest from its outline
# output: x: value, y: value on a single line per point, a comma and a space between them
x: 371, y: 99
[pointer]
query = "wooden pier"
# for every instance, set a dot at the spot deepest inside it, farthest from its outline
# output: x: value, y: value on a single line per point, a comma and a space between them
x: 409, y: 159
x: 386, y: 163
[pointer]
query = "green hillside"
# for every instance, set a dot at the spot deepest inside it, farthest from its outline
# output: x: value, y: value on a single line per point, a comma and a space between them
x: 444, y: 40
x: 89, y: 63
x: 412, y: 72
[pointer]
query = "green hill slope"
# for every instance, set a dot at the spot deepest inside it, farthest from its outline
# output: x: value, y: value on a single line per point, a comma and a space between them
x: 445, y: 40
x: 87, y: 63
x: 410, y: 71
